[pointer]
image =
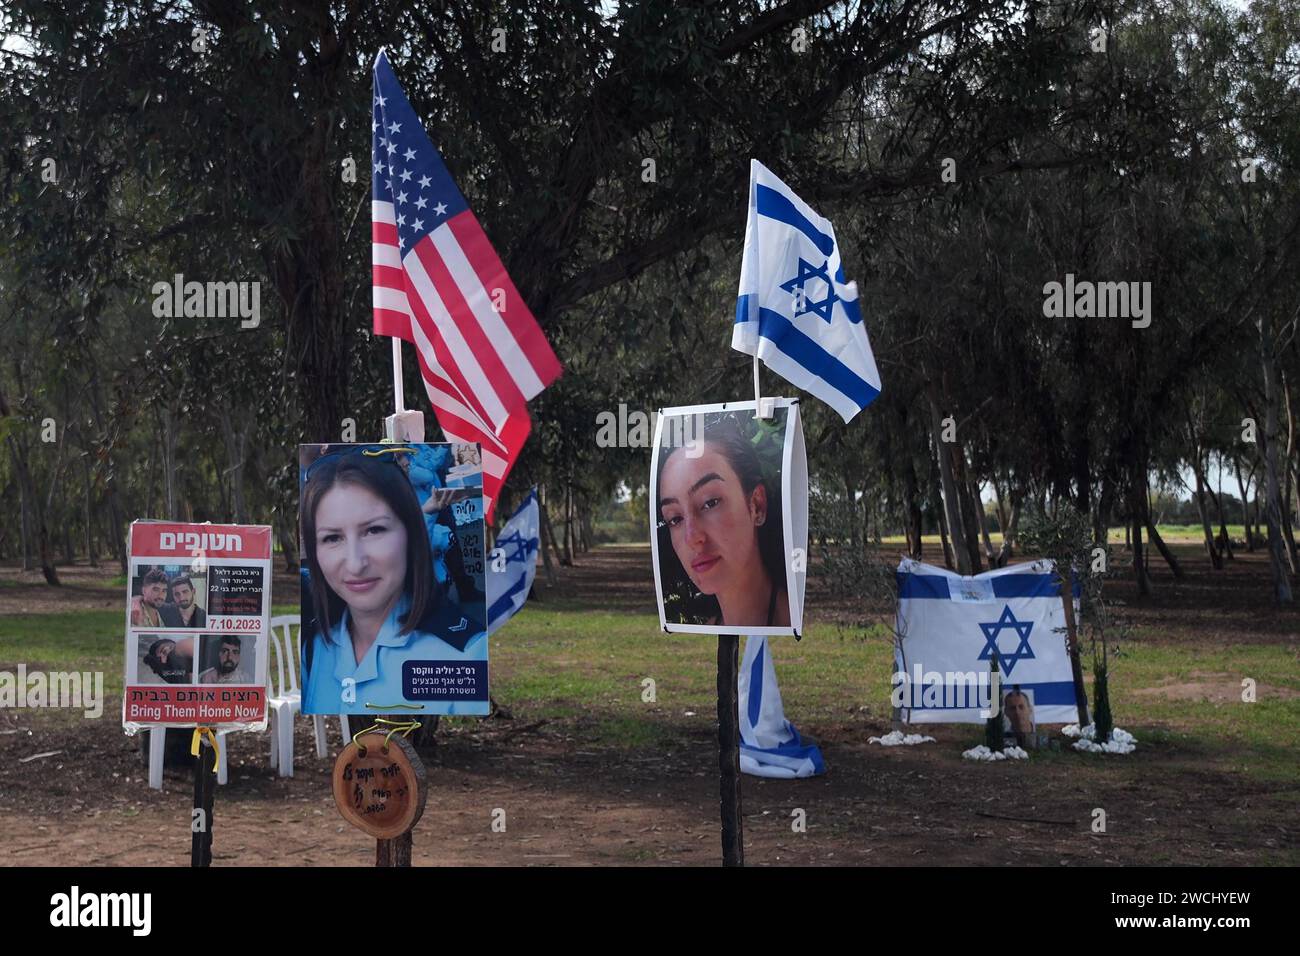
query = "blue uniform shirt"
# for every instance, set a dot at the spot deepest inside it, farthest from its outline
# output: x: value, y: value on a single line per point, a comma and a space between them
x: 378, y: 676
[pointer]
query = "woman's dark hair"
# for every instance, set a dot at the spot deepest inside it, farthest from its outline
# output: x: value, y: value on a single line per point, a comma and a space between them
x: 726, y: 438
x: 383, y: 477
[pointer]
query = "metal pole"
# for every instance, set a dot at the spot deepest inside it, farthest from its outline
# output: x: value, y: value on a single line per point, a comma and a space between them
x: 204, y: 791
x: 399, y: 396
x: 733, y: 837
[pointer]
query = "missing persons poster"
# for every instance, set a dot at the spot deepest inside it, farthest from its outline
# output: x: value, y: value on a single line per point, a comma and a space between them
x: 394, y: 608
x: 729, y: 519
x: 197, y: 610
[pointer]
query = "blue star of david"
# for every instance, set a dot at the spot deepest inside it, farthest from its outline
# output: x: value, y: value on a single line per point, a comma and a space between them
x: 991, y: 631
x: 519, y: 549
x: 806, y: 272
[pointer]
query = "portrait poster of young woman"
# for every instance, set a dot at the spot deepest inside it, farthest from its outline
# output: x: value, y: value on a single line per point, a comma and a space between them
x: 729, y: 519
x: 393, y: 601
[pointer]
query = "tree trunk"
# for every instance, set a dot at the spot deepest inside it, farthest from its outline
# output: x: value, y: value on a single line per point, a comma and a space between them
x: 951, y: 503
x: 566, y: 557
x: 1139, y: 567
x: 1101, y: 512
x: 912, y: 510
x: 1009, y: 532
x: 119, y: 532
x: 1154, y: 534
x: 547, y: 536
x: 25, y: 524
x: 36, y: 514
x: 968, y: 506
x: 169, y: 462
x: 1224, y: 540
x: 1292, y: 555
x: 1288, y: 532
x: 149, y: 511
x: 1072, y: 646
x: 91, y: 556
x: 943, y: 538
x: 1216, y: 560
x: 117, y: 528
x: 33, y: 515
x: 1000, y: 504
x: 286, y: 533
x: 235, y: 442
x: 1139, y: 512
x: 1272, y: 487
x: 1245, y: 510
x: 989, y: 553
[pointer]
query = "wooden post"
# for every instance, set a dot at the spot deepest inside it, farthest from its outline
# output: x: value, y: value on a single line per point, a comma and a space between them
x: 1072, y: 633
x: 993, y: 726
x: 397, y: 851
x: 394, y: 852
x: 733, y: 837
x: 204, y: 791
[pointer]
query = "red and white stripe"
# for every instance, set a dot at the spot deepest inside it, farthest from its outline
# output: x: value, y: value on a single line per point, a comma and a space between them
x: 480, y: 365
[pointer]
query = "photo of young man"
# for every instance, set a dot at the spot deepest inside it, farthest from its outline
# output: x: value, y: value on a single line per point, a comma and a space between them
x: 229, y: 667
x: 146, y: 607
x: 184, y: 603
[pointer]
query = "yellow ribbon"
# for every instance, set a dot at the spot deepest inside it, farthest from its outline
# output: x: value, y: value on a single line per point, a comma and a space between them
x: 402, y: 727
x: 199, y: 734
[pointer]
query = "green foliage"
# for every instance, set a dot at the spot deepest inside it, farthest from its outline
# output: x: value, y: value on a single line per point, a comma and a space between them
x: 225, y: 165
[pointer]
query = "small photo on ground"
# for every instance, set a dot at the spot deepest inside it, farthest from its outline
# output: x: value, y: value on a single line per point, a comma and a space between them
x: 1018, y: 714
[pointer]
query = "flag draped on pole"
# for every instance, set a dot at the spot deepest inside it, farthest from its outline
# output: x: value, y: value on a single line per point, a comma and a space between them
x: 795, y: 311
x: 769, y: 744
x: 516, y: 554
x: 439, y: 285
x: 951, y: 627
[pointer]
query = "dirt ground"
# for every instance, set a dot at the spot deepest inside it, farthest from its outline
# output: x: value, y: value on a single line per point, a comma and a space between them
x: 569, y: 804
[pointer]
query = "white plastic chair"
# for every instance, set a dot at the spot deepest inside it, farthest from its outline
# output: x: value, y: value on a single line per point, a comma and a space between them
x: 157, y: 746
x: 285, y: 698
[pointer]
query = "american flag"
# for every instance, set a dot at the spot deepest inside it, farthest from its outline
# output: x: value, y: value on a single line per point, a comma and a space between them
x: 439, y: 285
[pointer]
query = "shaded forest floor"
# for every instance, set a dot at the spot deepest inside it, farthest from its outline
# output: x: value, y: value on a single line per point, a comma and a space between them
x: 588, y: 772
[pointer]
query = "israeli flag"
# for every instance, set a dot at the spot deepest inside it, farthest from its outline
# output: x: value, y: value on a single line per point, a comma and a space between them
x: 516, y: 555
x: 795, y: 311
x: 950, y: 629
x: 769, y: 744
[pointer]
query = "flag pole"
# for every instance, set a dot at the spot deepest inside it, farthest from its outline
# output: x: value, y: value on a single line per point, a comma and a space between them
x: 761, y: 409
x: 399, y: 397
x: 733, y: 828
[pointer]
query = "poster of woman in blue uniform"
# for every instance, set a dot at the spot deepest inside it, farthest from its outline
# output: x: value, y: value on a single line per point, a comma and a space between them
x: 393, y: 602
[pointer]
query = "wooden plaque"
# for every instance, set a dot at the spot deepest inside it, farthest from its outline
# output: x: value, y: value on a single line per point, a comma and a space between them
x: 380, y: 788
